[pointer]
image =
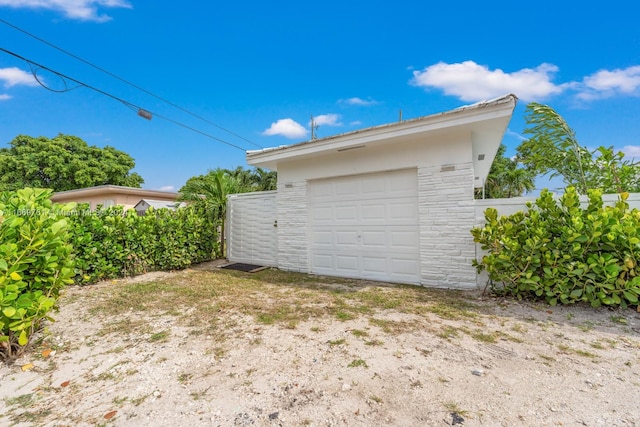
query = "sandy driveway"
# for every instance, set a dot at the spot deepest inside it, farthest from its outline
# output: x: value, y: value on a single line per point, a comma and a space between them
x: 320, y: 353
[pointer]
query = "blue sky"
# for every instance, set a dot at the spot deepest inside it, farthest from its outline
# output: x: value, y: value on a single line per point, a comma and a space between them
x: 261, y: 69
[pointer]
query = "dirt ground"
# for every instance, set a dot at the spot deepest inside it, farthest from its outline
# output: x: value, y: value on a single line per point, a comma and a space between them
x: 496, y: 363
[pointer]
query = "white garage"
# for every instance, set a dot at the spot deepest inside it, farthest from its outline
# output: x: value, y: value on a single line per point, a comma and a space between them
x: 392, y: 202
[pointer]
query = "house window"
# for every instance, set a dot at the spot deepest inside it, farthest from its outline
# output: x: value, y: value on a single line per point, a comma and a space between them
x: 108, y: 203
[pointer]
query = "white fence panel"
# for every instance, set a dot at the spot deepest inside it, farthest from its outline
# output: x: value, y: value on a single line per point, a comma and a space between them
x: 252, y: 234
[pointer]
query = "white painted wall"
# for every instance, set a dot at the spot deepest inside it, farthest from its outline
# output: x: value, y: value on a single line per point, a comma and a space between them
x: 445, y: 198
x: 452, y: 148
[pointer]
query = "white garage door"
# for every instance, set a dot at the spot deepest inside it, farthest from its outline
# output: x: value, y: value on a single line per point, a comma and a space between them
x: 366, y: 226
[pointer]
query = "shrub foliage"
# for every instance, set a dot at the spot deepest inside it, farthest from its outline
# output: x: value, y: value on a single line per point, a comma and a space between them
x: 562, y: 252
x: 35, y: 263
x: 45, y: 246
x: 113, y: 243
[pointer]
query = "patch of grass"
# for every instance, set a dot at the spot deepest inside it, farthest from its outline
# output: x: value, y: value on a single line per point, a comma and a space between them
x: 119, y: 400
x: 482, y: 337
x: 315, y: 329
x: 567, y: 349
x: 597, y: 344
x: 139, y: 400
x: 519, y: 327
x: 586, y: 326
x: 452, y: 310
x: 32, y: 417
x: 621, y: 320
x: 339, y: 341
x: 159, y: 336
x: 344, y: 316
x: 547, y: 358
x: 455, y: 408
x: 123, y: 326
x: 23, y: 401
x: 376, y: 399
x: 393, y: 327
x: 359, y: 333
x: 184, y: 378
x: 357, y: 363
x: 448, y: 332
x: 374, y: 342
x: 197, y: 395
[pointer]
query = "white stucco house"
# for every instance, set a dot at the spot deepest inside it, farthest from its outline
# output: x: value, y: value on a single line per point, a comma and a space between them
x: 392, y: 203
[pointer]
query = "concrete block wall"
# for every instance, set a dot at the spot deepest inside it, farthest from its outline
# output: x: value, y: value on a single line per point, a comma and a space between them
x: 293, y: 252
x: 447, y: 214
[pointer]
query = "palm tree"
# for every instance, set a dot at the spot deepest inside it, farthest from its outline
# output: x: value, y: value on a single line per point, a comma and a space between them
x: 212, y: 190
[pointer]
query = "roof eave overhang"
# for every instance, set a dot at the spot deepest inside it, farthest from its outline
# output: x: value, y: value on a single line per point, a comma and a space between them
x: 498, y: 109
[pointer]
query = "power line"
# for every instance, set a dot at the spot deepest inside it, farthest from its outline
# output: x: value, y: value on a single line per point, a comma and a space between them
x: 115, y: 76
x: 141, y: 111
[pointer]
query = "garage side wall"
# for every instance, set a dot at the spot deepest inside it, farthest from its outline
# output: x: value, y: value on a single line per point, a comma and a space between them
x: 447, y: 213
x: 293, y: 253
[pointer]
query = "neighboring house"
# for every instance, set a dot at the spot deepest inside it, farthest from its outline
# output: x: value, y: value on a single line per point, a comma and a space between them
x: 392, y: 203
x: 143, y: 205
x: 112, y: 195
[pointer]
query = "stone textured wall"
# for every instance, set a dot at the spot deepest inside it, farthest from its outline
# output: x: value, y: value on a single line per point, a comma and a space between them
x: 293, y: 242
x: 447, y: 214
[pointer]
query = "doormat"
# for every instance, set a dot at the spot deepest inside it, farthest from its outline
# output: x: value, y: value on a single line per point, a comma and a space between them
x: 247, y: 268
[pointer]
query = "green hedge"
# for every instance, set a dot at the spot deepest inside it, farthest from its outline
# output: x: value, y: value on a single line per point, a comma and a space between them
x: 35, y: 263
x: 561, y: 252
x: 112, y: 243
x: 45, y: 246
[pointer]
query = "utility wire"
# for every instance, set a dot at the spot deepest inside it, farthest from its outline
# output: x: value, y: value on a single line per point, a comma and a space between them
x: 125, y: 81
x: 102, y: 92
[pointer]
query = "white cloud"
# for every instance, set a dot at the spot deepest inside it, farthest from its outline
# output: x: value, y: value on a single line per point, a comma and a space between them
x: 288, y: 128
x: 473, y: 82
x: 84, y: 10
x: 359, y: 101
x: 516, y: 135
x: 605, y: 83
x: 355, y: 123
x: 327, y: 120
x: 632, y: 151
x: 14, y: 76
x: 167, y: 188
x: 4, y: 96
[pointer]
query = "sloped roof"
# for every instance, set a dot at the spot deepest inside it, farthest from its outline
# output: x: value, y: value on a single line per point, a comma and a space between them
x: 487, y: 119
x: 112, y: 189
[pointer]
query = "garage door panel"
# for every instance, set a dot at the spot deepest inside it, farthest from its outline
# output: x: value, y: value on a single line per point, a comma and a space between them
x: 346, y: 213
x: 323, y: 214
x: 347, y: 263
x: 323, y: 262
x: 404, y: 239
x: 373, y: 265
x: 374, y: 239
x: 404, y: 267
x: 345, y: 188
x: 373, y: 226
x: 373, y: 212
x: 323, y: 239
x: 346, y: 240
